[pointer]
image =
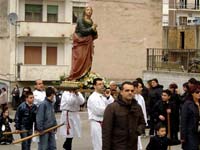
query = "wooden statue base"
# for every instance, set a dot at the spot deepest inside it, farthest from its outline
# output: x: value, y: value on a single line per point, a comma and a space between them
x: 69, y: 85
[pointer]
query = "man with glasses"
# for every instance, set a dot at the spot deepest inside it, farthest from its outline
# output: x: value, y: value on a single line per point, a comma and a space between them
x: 97, y: 103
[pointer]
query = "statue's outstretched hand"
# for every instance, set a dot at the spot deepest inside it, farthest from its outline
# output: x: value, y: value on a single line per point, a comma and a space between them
x: 94, y: 27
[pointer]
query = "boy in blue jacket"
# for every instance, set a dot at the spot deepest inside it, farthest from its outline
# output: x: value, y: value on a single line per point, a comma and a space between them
x: 24, y: 118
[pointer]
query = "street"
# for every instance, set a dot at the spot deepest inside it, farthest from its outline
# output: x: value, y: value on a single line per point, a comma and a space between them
x: 83, y: 143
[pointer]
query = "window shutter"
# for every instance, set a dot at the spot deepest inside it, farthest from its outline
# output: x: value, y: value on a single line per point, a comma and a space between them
x: 52, y: 9
x: 33, y: 8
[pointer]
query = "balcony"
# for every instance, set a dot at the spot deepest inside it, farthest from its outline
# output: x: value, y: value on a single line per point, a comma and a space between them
x: 44, y: 29
x: 177, y: 60
x: 184, y: 7
x: 44, y: 72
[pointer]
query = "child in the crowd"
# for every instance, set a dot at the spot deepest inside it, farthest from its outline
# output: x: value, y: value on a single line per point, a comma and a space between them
x: 25, y: 117
x: 5, y: 121
x: 160, y: 141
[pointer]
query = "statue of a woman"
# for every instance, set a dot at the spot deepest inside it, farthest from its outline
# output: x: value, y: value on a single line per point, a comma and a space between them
x: 83, y: 48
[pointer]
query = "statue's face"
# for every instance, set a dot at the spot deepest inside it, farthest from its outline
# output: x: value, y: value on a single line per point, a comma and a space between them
x: 88, y: 11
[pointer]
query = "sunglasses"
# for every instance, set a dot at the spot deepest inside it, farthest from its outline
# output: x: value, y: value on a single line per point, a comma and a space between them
x: 197, y: 92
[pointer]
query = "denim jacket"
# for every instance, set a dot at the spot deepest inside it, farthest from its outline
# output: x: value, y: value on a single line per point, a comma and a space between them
x: 25, y: 116
x: 45, y: 117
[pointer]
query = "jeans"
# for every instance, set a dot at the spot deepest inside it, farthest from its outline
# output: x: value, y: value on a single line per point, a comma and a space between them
x: 47, y: 141
x: 26, y: 145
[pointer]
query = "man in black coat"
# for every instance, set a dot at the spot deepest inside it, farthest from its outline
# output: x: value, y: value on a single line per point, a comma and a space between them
x: 154, y: 96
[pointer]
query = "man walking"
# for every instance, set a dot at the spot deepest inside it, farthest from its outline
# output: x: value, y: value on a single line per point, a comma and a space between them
x: 123, y: 121
x: 70, y: 106
x: 45, y: 118
x: 97, y: 103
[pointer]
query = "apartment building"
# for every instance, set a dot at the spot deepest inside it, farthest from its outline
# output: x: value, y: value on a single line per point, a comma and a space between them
x: 177, y: 60
x: 181, y: 24
x: 38, y: 45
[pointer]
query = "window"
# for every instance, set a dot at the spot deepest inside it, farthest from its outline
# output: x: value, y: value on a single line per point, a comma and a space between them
x: 51, y: 56
x: 33, y: 55
x: 33, y: 12
x: 77, y: 12
x: 182, y: 20
x: 52, y: 13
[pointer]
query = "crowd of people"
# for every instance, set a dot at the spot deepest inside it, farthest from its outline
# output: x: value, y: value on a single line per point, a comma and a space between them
x: 118, y: 115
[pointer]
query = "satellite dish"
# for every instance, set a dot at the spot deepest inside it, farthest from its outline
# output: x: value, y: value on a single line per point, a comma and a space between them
x: 12, y: 18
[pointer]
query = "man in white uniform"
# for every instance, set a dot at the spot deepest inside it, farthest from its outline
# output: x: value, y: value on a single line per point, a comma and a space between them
x: 70, y: 106
x: 139, y: 98
x: 39, y: 92
x: 96, y: 104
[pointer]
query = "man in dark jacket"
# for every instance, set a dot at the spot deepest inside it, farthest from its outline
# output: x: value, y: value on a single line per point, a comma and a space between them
x: 25, y: 117
x: 154, y: 96
x: 45, y: 118
x: 123, y: 121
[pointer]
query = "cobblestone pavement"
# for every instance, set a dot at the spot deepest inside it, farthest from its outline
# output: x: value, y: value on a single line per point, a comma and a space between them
x: 83, y: 143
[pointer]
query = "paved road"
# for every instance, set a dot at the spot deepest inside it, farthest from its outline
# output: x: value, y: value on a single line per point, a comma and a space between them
x: 83, y: 143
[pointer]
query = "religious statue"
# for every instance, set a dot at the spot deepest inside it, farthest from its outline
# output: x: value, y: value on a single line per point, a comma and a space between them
x: 83, y: 48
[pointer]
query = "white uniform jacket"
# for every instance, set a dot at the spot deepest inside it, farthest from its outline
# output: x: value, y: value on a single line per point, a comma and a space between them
x: 39, y: 96
x: 70, y: 106
x: 96, y: 105
x: 139, y: 98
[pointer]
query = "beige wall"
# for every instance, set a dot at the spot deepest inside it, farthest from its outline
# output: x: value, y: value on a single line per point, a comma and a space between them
x: 126, y: 29
x: 4, y: 32
x: 5, y: 61
x: 4, y: 38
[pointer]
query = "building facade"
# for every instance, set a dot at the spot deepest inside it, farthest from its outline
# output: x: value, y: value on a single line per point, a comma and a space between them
x: 38, y: 45
x: 178, y: 59
x: 181, y: 24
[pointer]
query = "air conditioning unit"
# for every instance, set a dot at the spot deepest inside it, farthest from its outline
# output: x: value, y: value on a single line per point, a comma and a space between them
x: 191, y: 21
x: 197, y: 20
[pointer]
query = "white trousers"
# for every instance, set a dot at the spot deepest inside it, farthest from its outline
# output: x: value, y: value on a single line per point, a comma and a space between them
x: 139, y: 145
x: 96, y: 134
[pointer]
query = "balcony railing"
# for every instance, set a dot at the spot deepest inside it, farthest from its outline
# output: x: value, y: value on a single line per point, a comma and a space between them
x: 189, y: 6
x: 44, y: 72
x: 179, y: 60
x: 44, y: 29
